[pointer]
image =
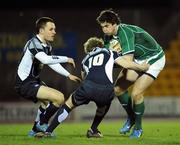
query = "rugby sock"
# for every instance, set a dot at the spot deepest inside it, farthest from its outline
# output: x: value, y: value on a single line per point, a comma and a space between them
x: 61, y: 115
x: 139, y: 111
x: 49, y: 112
x: 38, y: 116
x: 126, y: 102
x: 100, y: 113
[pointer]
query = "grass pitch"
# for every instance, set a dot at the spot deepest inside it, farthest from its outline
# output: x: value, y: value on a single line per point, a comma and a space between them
x: 156, y: 132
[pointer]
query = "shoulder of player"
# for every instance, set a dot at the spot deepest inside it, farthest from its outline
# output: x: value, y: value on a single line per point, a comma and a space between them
x: 34, y: 42
x: 130, y: 28
x: 125, y: 27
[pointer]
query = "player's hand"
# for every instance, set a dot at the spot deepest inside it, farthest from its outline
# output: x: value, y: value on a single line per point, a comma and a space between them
x: 70, y: 60
x: 145, y: 66
x: 74, y: 78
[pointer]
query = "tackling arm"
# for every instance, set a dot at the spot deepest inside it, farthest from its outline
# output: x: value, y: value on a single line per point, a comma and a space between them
x: 48, y: 59
x: 59, y: 69
x: 128, y: 63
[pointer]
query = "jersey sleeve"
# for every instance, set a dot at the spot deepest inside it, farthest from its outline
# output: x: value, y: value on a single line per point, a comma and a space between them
x: 127, y: 39
x: 59, y: 69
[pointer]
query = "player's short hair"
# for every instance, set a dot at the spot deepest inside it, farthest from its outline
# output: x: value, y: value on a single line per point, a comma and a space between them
x: 108, y: 16
x: 41, y: 22
x: 91, y: 43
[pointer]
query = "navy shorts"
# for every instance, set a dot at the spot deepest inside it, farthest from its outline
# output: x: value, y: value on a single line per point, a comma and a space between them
x: 28, y: 88
x: 89, y: 91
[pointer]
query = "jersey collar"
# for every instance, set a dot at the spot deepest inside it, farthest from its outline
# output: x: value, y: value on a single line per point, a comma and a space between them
x: 43, y: 44
x: 118, y: 29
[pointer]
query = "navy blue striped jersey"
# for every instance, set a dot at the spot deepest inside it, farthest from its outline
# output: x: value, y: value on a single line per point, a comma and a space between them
x: 98, y: 65
x: 29, y: 66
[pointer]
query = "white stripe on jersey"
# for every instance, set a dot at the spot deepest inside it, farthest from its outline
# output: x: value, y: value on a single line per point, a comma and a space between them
x: 24, y: 68
x: 109, y: 67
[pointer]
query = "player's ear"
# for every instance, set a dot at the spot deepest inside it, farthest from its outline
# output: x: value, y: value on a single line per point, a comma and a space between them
x: 40, y: 30
x: 114, y: 25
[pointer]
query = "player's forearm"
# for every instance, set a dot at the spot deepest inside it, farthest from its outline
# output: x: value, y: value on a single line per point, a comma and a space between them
x: 59, y: 69
x: 46, y: 59
x: 128, y: 64
x: 134, y: 66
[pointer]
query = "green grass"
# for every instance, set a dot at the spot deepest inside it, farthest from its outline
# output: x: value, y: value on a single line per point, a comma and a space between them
x: 156, y: 132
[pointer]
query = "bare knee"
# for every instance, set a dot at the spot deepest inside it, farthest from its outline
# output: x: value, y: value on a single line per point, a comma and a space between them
x: 58, y: 100
x: 137, y: 97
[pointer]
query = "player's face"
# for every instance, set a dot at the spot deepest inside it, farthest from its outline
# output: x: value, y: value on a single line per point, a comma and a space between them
x: 108, y: 28
x: 49, y: 31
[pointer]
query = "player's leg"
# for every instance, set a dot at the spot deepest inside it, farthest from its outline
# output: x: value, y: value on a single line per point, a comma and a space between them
x: 60, y: 116
x: 121, y: 91
x: 102, y: 96
x: 76, y: 99
x: 142, y: 83
x: 100, y: 113
x: 55, y: 99
x: 39, y: 114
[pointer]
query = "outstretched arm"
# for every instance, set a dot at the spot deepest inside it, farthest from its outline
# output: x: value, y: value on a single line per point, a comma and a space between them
x: 128, y: 63
x: 70, y: 60
x: 61, y: 70
x: 50, y: 59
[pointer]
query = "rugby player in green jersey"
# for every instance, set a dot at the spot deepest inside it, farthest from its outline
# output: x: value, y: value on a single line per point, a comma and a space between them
x: 134, y: 44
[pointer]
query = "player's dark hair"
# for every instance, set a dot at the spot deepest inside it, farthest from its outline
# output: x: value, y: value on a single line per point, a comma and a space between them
x: 41, y: 22
x: 93, y: 42
x: 108, y: 16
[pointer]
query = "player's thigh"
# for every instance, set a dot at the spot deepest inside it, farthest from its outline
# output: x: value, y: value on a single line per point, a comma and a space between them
x: 80, y: 96
x: 141, y: 84
x: 50, y: 94
x: 122, y: 83
x: 144, y: 81
x: 132, y: 75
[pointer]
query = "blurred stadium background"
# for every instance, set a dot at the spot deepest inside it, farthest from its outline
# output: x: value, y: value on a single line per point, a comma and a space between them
x: 75, y: 23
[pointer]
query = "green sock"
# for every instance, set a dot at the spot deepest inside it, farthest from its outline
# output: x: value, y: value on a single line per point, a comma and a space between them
x: 126, y: 102
x: 139, y: 111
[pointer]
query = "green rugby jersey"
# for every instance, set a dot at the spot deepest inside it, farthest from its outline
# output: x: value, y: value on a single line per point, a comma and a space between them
x: 134, y: 39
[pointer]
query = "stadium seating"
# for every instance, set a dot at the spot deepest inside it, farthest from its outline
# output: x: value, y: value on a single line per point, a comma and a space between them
x: 168, y: 82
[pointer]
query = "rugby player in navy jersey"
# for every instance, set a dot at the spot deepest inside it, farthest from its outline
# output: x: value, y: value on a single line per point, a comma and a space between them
x: 36, y: 53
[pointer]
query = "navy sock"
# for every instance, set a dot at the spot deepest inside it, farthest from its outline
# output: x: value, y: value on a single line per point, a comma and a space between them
x: 100, y: 113
x: 49, y: 112
x: 61, y: 115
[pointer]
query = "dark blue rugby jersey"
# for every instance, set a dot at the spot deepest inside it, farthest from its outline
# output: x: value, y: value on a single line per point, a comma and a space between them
x: 29, y: 66
x: 98, y: 65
